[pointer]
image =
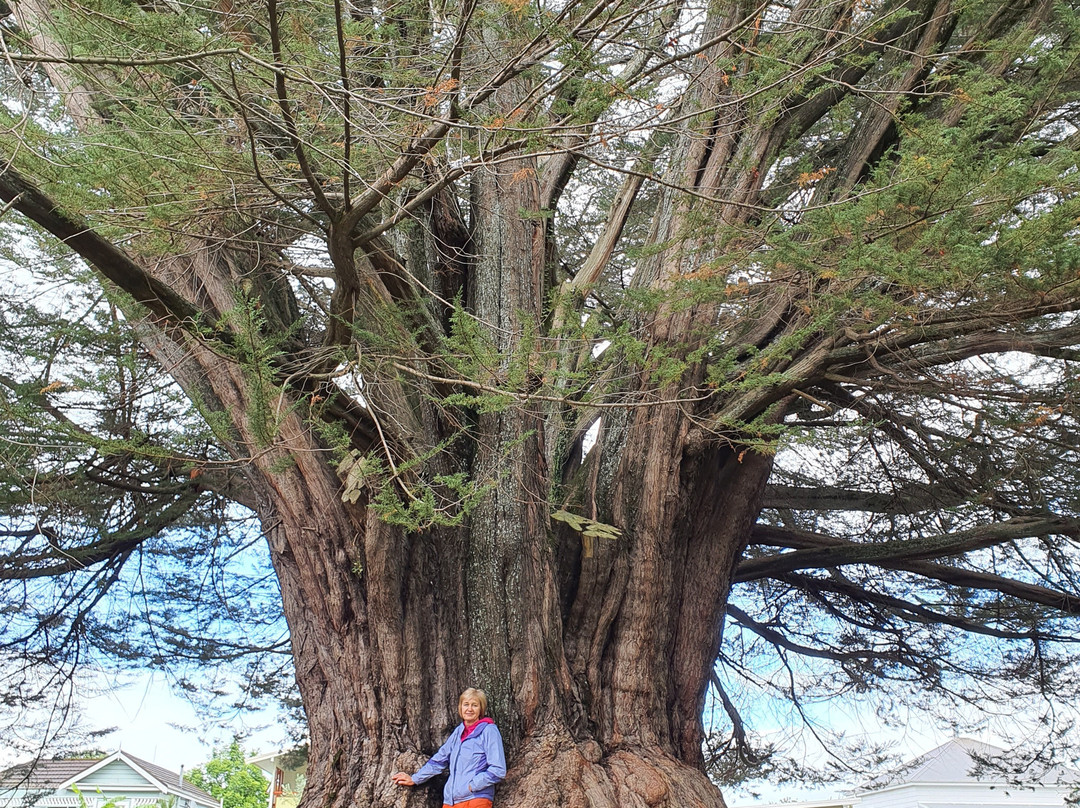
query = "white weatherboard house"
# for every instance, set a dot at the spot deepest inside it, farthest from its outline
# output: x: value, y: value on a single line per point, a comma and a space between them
x: 956, y: 775
x: 287, y: 772
x: 119, y: 780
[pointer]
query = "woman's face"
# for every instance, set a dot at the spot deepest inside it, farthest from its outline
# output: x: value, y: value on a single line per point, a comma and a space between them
x: 470, y: 709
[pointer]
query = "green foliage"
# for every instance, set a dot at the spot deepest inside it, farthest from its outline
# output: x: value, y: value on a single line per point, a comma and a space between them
x: 256, y: 349
x: 406, y: 497
x: 469, y: 348
x: 590, y: 530
x: 228, y: 778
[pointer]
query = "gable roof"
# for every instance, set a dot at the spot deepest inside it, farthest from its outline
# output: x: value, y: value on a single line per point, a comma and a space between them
x: 44, y: 774
x: 54, y: 775
x: 102, y: 763
x: 171, y: 781
x: 964, y: 760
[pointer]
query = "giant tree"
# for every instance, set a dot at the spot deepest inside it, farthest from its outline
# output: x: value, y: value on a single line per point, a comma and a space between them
x: 497, y: 317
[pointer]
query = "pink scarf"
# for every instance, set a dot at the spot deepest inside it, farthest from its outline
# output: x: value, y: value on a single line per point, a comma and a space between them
x: 471, y: 727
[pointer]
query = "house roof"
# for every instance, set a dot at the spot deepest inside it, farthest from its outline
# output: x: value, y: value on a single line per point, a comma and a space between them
x: 171, y: 780
x: 49, y: 775
x: 963, y: 760
x: 44, y: 774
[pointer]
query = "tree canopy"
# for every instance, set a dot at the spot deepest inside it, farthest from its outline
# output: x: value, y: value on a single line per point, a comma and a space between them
x: 631, y: 360
x: 228, y: 778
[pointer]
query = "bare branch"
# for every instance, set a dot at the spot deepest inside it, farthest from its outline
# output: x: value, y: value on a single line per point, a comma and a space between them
x: 906, y: 551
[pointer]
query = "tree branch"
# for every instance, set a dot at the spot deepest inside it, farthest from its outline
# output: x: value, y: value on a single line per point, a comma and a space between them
x: 905, y: 551
x: 913, y: 499
x: 108, y: 259
x: 839, y: 552
x: 57, y: 560
x: 892, y: 604
x: 782, y: 641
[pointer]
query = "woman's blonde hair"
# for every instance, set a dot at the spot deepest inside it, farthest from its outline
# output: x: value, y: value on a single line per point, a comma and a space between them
x: 474, y: 693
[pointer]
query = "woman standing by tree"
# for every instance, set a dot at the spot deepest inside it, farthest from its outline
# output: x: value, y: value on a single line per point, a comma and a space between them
x: 473, y: 753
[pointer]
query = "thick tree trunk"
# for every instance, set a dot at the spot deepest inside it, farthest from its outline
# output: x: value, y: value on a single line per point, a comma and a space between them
x: 596, y: 665
x: 600, y: 706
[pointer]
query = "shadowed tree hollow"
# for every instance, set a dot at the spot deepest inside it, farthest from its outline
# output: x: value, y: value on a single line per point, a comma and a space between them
x: 544, y: 340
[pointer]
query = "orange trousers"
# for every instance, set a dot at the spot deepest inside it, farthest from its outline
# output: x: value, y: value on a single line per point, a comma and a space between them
x: 479, y: 802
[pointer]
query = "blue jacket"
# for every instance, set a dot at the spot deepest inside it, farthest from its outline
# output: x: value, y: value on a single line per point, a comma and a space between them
x: 476, y: 764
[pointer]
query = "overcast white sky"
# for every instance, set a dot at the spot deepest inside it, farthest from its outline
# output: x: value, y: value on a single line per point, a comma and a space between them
x: 155, y: 724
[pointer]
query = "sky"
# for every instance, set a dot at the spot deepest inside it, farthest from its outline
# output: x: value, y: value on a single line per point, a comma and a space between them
x: 152, y: 722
